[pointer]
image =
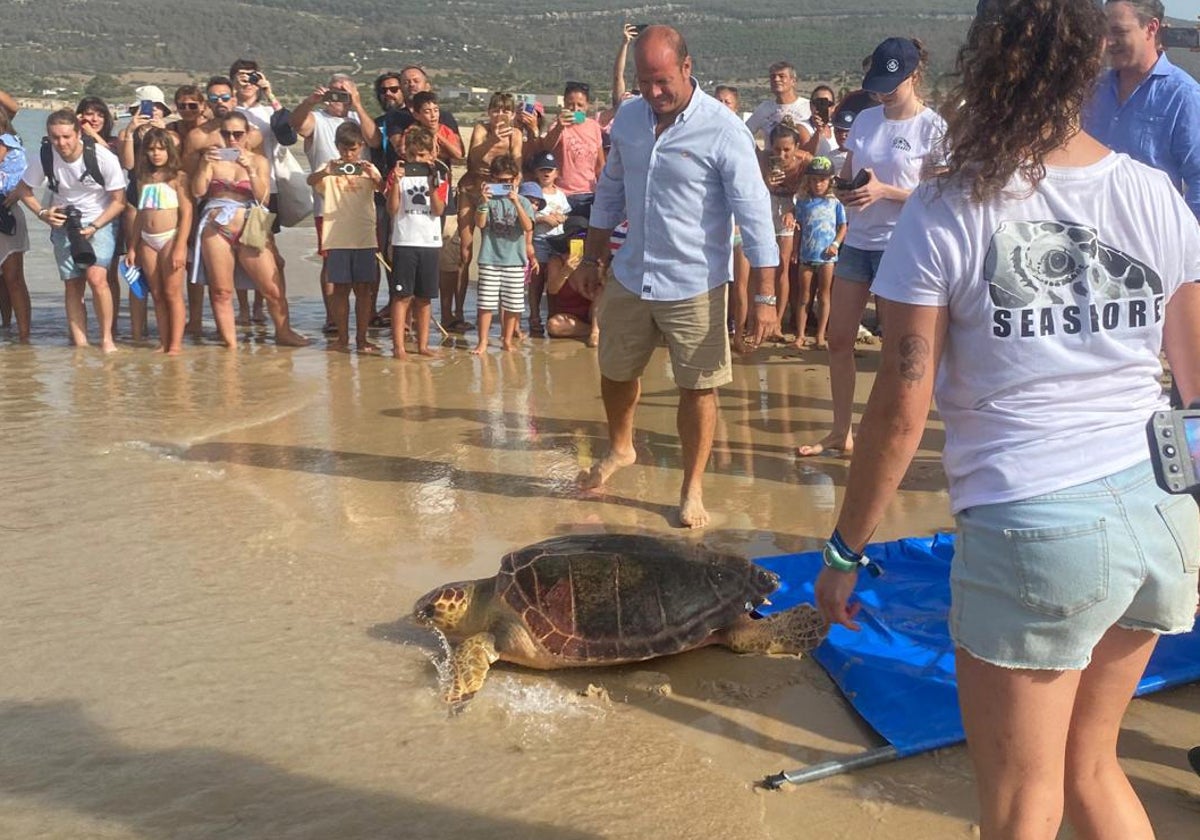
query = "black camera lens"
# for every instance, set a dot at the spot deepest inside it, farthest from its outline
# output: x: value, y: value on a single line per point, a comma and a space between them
x: 254, y: 78
x: 81, y: 250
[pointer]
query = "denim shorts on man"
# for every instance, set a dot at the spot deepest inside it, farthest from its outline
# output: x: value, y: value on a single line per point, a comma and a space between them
x: 104, y: 243
x: 857, y: 265
x: 1036, y: 583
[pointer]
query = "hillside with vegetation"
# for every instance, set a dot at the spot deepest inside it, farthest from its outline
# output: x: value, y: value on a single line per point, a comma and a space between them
x: 105, y: 46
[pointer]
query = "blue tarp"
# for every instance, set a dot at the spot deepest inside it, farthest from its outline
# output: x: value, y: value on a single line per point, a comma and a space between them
x: 898, y: 671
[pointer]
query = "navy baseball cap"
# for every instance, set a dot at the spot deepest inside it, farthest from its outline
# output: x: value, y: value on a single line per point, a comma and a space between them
x: 892, y: 62
x: 545, y: 160
x: 844, y: 119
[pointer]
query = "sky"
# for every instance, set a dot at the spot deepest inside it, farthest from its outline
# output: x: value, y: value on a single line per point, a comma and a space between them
x: 1186, y: 9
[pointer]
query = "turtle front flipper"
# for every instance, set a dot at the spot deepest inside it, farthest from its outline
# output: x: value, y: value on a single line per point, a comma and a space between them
x: 797, y: 630
x: 469, y: 664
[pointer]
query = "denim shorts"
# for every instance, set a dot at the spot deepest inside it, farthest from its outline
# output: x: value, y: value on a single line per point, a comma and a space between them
x: 1036, y: 583
x: 104, y: 243
x: 857, y: 265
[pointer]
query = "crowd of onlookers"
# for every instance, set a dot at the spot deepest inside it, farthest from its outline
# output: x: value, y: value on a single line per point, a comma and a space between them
x: 396, y: 194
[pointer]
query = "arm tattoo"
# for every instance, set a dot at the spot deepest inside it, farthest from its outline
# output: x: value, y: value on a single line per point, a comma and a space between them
x: 914, y: 358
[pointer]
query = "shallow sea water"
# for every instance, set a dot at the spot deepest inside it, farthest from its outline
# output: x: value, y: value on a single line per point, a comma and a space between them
x: 206, y: 562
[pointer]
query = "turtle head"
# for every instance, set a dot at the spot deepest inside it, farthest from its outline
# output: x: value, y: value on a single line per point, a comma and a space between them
x: 445, y: 607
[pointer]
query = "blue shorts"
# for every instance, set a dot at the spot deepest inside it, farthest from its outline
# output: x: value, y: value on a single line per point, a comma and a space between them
x: 1037, y: 583
x: 857, y: 265
x: 104, y: 243
x: 344, y: 266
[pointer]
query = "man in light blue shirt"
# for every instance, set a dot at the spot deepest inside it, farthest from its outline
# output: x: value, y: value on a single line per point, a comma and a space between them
x: 682, y: 169
x: 1145, y: 106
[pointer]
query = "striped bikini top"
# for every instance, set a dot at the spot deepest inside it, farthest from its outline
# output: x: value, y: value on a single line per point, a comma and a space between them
x: 158, y: 196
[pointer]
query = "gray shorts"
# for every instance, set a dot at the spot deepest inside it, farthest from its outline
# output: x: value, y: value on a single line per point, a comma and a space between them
x: 351, y: 265
x: 1036, y: 583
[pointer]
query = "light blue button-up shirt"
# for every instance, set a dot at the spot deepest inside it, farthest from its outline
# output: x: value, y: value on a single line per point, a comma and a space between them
x: 682, y: 192
x: 1159, y: 124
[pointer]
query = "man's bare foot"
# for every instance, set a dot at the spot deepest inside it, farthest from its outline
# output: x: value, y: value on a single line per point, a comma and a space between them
x: 108, y: 347
x: 398, y: 352
x: 479, y: 350
x: 430, y: 352
x: 367, y: 348
x: 832, y: 445
x: 173, y: 351
x: 291, y: 338
x: 507, y: 345
x: 338, y: 347
x: 602, y: 470
x: 691, y: 512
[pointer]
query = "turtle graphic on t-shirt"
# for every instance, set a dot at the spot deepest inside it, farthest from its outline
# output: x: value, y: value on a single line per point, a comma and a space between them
x: 1044, y: 263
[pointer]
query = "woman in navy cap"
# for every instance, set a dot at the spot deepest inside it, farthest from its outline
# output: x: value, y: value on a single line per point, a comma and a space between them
x: 891, y: 148
x: 1031, y: 290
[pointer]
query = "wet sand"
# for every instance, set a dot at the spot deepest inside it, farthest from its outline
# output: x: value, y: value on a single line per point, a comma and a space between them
x: 205, y: 560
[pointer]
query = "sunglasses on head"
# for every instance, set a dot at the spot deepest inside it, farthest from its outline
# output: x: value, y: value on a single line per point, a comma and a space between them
x: 232, y: 135
x: 220, y: 97
x: 582, y: 87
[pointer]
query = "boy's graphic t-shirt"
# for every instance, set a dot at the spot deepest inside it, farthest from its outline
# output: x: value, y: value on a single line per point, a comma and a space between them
x: 416, y: 225
x: 349, y: 211
x: 502, y: 242
x: 819, y: 218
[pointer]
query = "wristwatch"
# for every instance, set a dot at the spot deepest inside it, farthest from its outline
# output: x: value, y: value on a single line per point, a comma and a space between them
x: 592, y: 261
x: 766, y: 300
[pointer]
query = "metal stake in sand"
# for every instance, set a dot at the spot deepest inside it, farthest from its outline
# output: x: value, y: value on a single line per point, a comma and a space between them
x: 835, y: 767
x: 388, y: 269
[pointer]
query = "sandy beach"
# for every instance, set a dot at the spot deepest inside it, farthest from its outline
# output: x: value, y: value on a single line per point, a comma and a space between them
x: 206, y: 560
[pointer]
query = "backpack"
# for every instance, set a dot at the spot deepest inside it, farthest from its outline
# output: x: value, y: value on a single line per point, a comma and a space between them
x: 91, y: 166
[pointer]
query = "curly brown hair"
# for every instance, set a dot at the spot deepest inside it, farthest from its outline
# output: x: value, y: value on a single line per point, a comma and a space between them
x: 1025, y: 72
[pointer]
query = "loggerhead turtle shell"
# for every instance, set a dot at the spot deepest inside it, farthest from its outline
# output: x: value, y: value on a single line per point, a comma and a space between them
x: 595, y: 598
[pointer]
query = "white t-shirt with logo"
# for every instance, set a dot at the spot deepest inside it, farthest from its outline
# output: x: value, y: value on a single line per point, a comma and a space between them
x: 770, y: 114
x: 75, y: 186
x: 1051, y: 364
x: 896, y: 151
x: 416, y: 225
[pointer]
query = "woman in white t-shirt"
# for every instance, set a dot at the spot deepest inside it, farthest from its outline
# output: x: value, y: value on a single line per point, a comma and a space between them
x: 1031, y: 290
x: 896, y: 144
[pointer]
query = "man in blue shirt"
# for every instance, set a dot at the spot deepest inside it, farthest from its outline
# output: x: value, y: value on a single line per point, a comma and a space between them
x: 1145, y: 106
x: 682, y: 170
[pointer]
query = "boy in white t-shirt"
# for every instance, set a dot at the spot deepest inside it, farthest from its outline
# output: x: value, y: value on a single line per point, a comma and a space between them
x: 548, y: 222
x: 347, y: 186
x: 416, y: 196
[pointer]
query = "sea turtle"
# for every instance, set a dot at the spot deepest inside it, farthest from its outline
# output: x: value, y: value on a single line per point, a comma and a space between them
x: 605, y: 599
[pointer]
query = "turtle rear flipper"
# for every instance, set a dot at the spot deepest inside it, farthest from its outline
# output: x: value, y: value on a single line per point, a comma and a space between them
x: 797, y: 630
x: 469, y: 664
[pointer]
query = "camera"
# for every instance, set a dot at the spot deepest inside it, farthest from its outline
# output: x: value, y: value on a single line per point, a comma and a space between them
x: 821, y: 108
x: 417, y: 169
x: 500, y: 190
x: 348, y: 168
x: 860, y: 180
x: 335, y: 95
x: 81, y: 249
x: 1174, y: 438
x: 253, y: 78
x: 638, y: 28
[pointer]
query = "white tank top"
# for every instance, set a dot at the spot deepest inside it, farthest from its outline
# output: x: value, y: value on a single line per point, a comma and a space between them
x: 320, y: 148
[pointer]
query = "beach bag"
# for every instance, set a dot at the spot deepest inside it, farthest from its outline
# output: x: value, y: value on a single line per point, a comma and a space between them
x: 257, y: 229
x: 295, y: 195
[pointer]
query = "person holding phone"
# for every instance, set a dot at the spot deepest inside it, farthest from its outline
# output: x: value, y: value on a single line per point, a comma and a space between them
x: 339, y: 102
x: 1070, y: 561
x: 232, y: 178
x: 576, y: 141
x: 504, y: 218
x: 892, y: 148
x: 1144, y: 105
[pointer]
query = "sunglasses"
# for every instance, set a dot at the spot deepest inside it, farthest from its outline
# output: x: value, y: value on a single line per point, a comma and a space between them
x: 822, y: 101
x: 224, y: 97
x: 582, y: 87
x: 391, y: 89
x: 232, y: 135
x: 187, y: 106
